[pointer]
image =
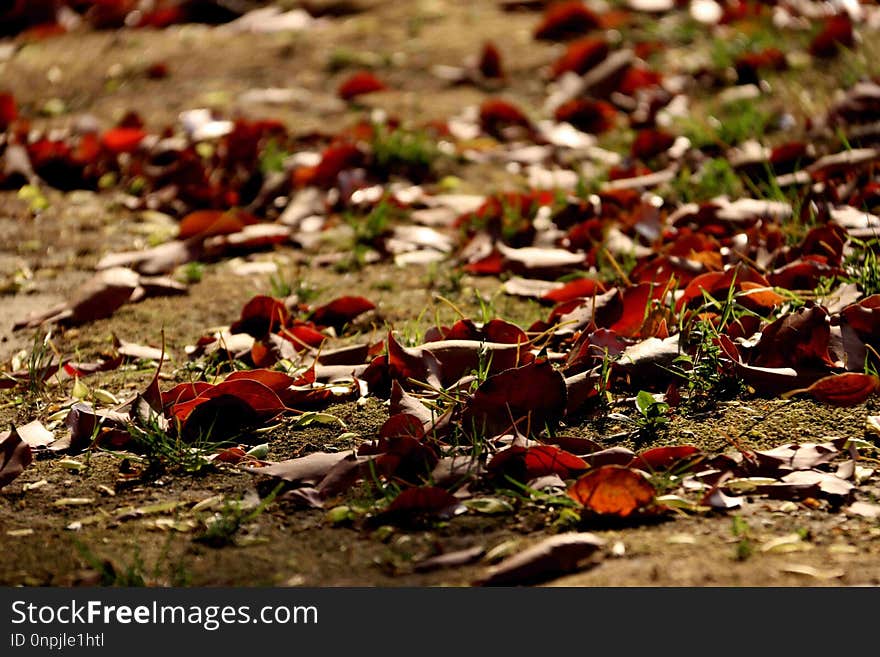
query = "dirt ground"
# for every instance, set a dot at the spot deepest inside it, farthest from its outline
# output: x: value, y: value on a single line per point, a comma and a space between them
x: 69, y: 521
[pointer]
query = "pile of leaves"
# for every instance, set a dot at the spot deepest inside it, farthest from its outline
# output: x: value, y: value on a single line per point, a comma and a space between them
x: 698, y: 269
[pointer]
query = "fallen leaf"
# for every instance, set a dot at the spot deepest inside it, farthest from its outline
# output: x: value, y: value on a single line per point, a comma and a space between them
x: 450, y: 559
x: 846, y: 389
x: 663, y: 458
x: 424, y: 499
x: 99, y: 297
x: 566, y: 20
x: 612, y: 490
x: 580, y: 56
x: 35, y: 434
x: 526, y: 463
x: 341, y: 311
x: 551, y: 557
x: 816, y: 573
x: 530, y: 398
x: 787, y: 543
x: 305, y: 469
x: 15, y: 456
x: 490, y: 65
x: 864, y: 509
x: 358, y: 84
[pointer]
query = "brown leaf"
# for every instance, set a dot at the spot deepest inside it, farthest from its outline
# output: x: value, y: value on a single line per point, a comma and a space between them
x: 551, y: 557
x: 490, y: 65
x: 99, y: 297
x: 306, y: 469
x: 106, y: 428
x: 160, y: 259
x: 450, y: 559
x: 15, y: 456
x: 403, y: 402
x: 35, y: 434
x: 610, y: 456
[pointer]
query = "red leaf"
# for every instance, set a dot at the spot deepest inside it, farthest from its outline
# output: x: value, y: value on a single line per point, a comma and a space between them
x: 232, y: 455
x: 341, y: 311
x: 334, y: 160
x: 526, y: 463
x: 260, y: 316
x: 864, y: 317
x: 593, y: 116
x: 801, y: 275
x: 490, y: 62
x: 826, y: 241
x: 612, y: 490
x: 837, y: 32
x: 495, y: 330
x: 122, y: 140
x: 15, y: 456
x: 576, y: 289
x: 663, y: 458
x: 636, y: 79
x: 497, y: 114
x: 8, y: 110
x: 636, y: 308
x: 581, y: 56
x: 272, y: 379
x: 362, y: 82
x: 651, y: 142
x: 204, y: 223
x: 303, y: 335
x: 847, y: 389
x: 566, y: 20
x: 798, y: 339
x: 749, y: 64
x: 402, y: 424
x: 574, y: 444
x: 158, y: 71
x: 184, y: 392
x: 717, y: 284
x: 404, y: 403
x: 491, y: 265
x: 530, y: 398
x: 425, y: 499
x: 258, y: 396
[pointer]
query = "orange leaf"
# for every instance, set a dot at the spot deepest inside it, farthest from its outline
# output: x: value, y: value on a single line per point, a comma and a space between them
x: 760, y: 295
x: 205, y: 223
x: 612, y: 490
